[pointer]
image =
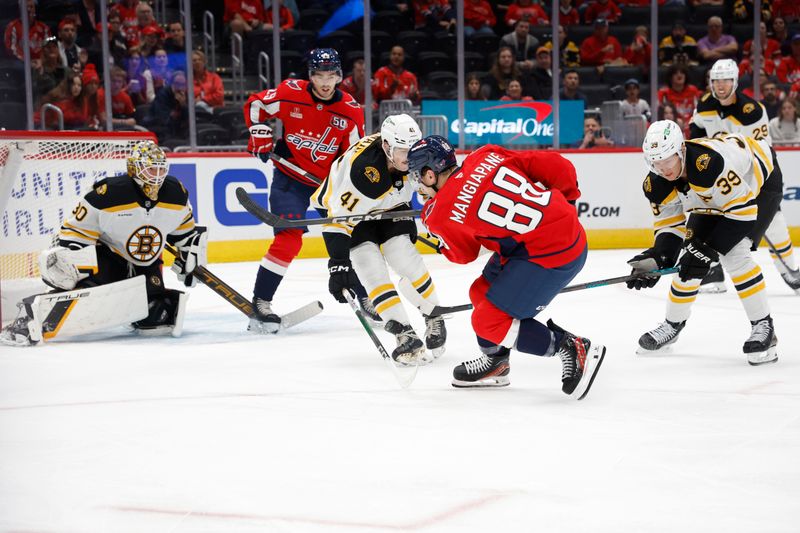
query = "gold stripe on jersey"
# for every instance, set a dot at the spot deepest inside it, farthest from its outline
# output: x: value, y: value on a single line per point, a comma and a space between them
x: 712, y: 113
x: 174, y: 207
x: 89, y: 233
x: 80, y: 236
x: 677, y: 220
x: 737, y: 201
x: 122, y: 207
x: 749, y: 213
x: 362, y: 145
x: 323, y: 195
x: 185, y: 225
x: 784, y: 249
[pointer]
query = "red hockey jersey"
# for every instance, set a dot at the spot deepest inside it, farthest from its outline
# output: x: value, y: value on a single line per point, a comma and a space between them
x: 514, y: 203
x: 315, y: 132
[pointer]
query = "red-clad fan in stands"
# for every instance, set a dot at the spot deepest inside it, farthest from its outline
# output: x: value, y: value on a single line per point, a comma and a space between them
x: 355, y: 84
x: 600, y: 48
x: 679, y: 92
x: 207, y: 85
x: 638, y: 52
x: 770, y: 48
x: 122, y: 109
x: 393, y: 81
x: 286, y: 18
x: 568, y: 15
x: 789, y: 68
x: 243, y: 16
x: 602, y: 9
x: 526, y: 9
x: 789, y: 10
x: 37, y: 33
x: 127, y: 12
x: 434, y: 15
x: 479, y: 18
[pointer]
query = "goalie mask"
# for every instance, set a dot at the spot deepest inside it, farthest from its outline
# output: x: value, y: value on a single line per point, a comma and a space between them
x: 147, y: 165
x: 399, y: 132
x: 663, y: 140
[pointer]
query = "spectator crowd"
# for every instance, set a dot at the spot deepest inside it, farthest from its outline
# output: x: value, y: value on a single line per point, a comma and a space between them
x: 604, y: 53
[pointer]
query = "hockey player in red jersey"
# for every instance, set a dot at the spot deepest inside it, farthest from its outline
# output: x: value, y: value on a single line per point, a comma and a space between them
x: 518, y: 205
x: 319, y: 123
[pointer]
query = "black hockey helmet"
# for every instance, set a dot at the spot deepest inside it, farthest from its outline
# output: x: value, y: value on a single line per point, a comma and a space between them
x: 433, y: 152
x: 324, y: 60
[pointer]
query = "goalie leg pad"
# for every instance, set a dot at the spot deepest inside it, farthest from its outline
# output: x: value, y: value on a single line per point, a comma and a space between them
x: 165, y: 315
x: 62, y: 268
x: 64, y: 314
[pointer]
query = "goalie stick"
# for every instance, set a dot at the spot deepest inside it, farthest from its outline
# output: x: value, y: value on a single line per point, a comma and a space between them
x: 405, y: 375
x: 271, y: 219
x: 210, y: 280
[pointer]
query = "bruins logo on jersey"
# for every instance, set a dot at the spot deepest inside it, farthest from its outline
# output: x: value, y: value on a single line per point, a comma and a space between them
x: 101, y: 190
x: 702, y: 162
x: 689, y: 234
x: 145, y: 243
x: 372, y: 174
x: 748, y: 108
x: 155, y: 281
x: 648, y: 185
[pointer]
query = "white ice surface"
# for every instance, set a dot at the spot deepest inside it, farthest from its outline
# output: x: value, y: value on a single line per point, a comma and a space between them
x: 307, y: 431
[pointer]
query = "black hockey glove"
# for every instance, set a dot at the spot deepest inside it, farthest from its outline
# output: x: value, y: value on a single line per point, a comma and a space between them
x: 647, y: 261
x: 696, y: 260
x: 342, y: 276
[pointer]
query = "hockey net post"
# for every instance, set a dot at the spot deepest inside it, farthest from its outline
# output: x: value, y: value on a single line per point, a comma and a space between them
x: 43, y: 175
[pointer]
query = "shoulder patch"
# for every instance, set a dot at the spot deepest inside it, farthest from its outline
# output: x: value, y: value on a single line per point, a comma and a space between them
x: 372, y: 174
x: 657, y: 189
x: 702, y: 162
x: 748, y: 108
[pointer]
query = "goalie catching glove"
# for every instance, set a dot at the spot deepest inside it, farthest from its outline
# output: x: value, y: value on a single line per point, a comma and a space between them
x: 192, y: 252
x: 342, y: 277
x: 696, y: 260
x: 62, y: 268
x: 260, y: 144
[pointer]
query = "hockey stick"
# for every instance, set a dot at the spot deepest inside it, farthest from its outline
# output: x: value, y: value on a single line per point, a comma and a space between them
x: 217, y: 285
x: 406, y: 377
x: 288, y: 164
x: 275, y: 221
x: 241, y: 303
x: 620, y: 279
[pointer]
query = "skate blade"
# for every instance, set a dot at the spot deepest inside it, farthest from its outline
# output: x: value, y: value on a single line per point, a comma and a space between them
x: 667, y: 348
x: 263, y: 328
x: 761, y: 358
x: 430, y: 356
x: 713, y: 288
x: 494, y: 381
x: 593, y: 361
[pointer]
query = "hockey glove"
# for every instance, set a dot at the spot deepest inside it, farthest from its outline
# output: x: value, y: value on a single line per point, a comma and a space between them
x: 342, y: 276
x: 192, y: 254
x: 647, y: 261
x: 260, y: 144
x: 696, y: 260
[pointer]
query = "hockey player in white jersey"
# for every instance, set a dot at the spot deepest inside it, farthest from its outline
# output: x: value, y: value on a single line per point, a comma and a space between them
x: 706, y: 198
x: 371, y: 177
x: 727, y: 110
x: 106, y: 265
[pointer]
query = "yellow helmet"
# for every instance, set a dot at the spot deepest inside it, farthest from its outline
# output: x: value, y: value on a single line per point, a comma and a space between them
x: 147, y: 165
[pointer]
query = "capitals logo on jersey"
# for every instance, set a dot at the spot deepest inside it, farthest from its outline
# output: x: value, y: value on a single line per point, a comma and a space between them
x: 320, y: 146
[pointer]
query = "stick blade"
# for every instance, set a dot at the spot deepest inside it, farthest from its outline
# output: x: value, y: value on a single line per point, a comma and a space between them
x: 256, y: 210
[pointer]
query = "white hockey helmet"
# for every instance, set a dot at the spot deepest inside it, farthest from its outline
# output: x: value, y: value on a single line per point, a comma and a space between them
x: 724, y: 69
x: 147, y: 165
x: 663, y: 139
x: 400, y: 131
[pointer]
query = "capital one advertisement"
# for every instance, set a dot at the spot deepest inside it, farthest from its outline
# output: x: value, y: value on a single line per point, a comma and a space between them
x: 510, y: 123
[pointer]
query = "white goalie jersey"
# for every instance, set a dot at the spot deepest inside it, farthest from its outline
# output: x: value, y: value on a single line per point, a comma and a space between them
x: 724, y: 176
x: 117, y: 214
x: 359, y: 183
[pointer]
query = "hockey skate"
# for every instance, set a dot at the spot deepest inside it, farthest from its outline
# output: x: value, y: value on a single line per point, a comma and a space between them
x: 17, y: 333
x: 435, y: 337
x: 370, y: 313
x: 580, y: 362
x: 761, y: 347
x: 409, y: 346
x: 657, y: 340
x: 485, y: 371
x: 792, y: 279
x: 714, y: 282
x: 265, y: 321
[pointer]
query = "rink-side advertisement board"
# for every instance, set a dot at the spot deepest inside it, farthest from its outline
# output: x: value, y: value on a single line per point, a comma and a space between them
x: 510, y: 124
x: 612, y: 207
